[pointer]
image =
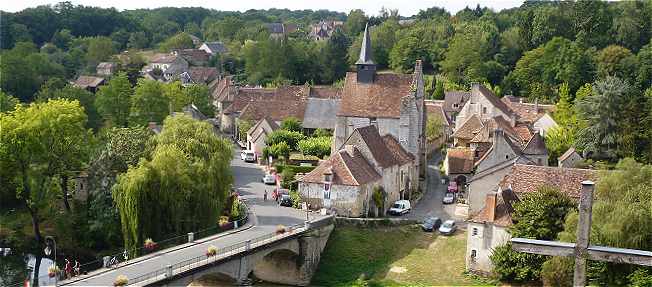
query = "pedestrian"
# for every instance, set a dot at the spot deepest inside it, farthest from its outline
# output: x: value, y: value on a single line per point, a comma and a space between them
x: 265, y: 195
x: 77, y: 268
x: 276, y: 196
x: 125, y: 255
x: 68, y: 269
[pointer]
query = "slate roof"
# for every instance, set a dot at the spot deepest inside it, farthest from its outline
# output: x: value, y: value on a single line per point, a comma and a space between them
x: 469, y: 128
x: 320, y: 113
x: 567, y: 153
x: 347, y: 169
x: 376, y: 144
x: 365, y: 49
x: 523, y: 179
x: 460, y: 160
x: 88, y: 81
x: 535, y: 146
x: 203, y: 75
x: 380, y: 99
x: 455, y: 97
x: 216, y: 47
x: 400, y: 154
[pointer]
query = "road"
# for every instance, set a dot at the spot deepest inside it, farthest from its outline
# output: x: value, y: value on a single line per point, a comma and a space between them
x: 267, y: 216
x: 431, y: 202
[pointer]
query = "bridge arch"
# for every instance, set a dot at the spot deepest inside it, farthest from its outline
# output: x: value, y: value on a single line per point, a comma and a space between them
x: 280, y: 266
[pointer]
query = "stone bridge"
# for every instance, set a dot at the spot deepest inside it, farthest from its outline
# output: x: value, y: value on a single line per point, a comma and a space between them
x: 290, y: 258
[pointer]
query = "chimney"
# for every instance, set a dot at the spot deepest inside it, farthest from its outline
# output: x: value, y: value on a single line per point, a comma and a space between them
x: 490, y: 206
x: 475, y: 87
x: 536, y: 105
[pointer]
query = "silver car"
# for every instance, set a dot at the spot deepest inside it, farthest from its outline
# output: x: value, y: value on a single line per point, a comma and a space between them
x: 449, y: 198
x: 269, y: 179
x: 448, y: 227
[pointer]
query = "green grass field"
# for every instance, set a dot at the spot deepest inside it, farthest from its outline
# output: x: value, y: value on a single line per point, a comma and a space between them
x: 394, y: 257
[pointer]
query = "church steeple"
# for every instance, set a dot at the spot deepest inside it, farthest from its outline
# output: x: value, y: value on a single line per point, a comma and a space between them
x: 366, y: 67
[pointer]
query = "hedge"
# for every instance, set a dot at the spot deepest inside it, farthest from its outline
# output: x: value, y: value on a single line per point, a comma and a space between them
x: 295, y: 168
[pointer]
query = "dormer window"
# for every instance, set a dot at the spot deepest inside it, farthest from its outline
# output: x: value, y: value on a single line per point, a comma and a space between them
x: 328, y: 177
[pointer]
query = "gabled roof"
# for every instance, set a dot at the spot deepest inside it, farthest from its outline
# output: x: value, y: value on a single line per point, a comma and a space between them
x: 243, y: 96
x: 348, y: 168
x: 365, y: 49
x: 535, y: 146
x: 455, y: 97
x: 460, y: 160
x: 381, y: 154
x: 320, y: 113
x: 523, y: 179
x: 493, y: 99
x: 88, y: 81
x: 164, y: 58
x: 568, y: 153
x: 469, y: 128
x: 527, y: 112
x: 325, y: 92
x: 523, y: 132
x: 273, y: 109
x: 216, y: 47
x: 502, y: 213
x: 380, y: 99
x: 194, y: 55
x: 202, y: 75
x: 400, y: 154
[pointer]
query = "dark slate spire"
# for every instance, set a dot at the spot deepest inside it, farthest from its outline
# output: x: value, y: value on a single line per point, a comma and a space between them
x: 366, y: 66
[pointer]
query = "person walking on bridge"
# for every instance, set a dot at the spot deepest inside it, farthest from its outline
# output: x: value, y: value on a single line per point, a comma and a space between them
x: 265, y: 195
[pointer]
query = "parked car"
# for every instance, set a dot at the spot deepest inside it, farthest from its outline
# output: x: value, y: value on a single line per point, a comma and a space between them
x: 448, y: 227
x: 400, y: 207
x: 248, y: 156
x: 286, y: 200
x: 430, y: 224
x: 269, y: 179
x: 449, y: 198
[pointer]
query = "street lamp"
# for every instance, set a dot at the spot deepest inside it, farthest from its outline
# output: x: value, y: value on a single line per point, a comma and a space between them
x: 49, y: 240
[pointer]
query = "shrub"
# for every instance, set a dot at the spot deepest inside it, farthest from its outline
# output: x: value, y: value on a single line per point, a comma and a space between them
x: 211, y: 251
x: 317, y: 146
x: 121, y: 280
x: 288, y: 177
x: 291, y: 138
x: 296, y: 168
x: 291, y: 124
x: 277, y: 150
x: 149, y: 244
x: 557, y: 271
x: 224, y: 220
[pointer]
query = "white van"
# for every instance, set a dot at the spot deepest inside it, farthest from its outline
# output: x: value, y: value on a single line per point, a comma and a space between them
x: 248, y: 156
x: 400, y: 207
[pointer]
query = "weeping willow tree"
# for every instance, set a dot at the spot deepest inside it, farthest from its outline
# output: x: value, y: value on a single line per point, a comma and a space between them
x: 180, y: 187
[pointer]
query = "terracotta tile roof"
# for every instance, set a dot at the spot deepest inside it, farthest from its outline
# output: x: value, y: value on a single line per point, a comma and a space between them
x: 194, y: 55
x: 502, y: 212
x: 163, y: 58
x: 469, y: 128
x: 400, y: 154
x: 380, y: 99
x: 485, y: 134
x: 526, y: 112
x: 273, y: 109
x: 325, y: 92
x: 455, y: 97
x: 88, y: 81
x: 244, y: 96
x: 460, y: 160
x: 524, y: 179
x: 203, y: 75
x: 435, y: 109
x: 523, y: 132
x: 535, y: 146
x: 348, y: 168
x: 566, y: 154
x: 376, y: 144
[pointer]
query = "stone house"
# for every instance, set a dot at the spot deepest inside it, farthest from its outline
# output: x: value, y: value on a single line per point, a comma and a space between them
x: 570, y: 158
x: 454, y: 102
x: 169, y: 65
x: 536, y: 116
x: 394, y: 103
x: 488, y: 228
x: 278, y: 31
x: 106, y: 68
x: 323, y: 30
x: 213, y: 48
x: 194, y: 57
x: 485, y: 105
x: 394, y: 166
x: 89, y: 83
x: 199, y: 75
x: 257, y: 135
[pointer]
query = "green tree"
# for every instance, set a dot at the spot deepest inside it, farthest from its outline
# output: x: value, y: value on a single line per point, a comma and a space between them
x: 621, y: 217
x: 434, y: 129
x: 317, y: 146
x: 138, y: 40
x: 538, y: 215
x: 333, y: 58
x: 243, y: 128
x: 148, y: 103
x: 291, y: 124
x: 38, y: 144
x: 355, y: 22
x: 644, y: 60
x: 199, y: 95
x: 113, y: 100
x: 467, y: 51
x: 62, y: 39
x: 177, y: 42
x: 7, y: 102
x: 188, y: 171
x: 175, y: 94
x: 616, y: 61
x: 291, y: 138
x: 439, y: 94
x: 99, y: 49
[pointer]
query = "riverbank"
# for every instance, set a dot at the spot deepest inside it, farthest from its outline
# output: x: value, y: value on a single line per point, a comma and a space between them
x: 394, y: 256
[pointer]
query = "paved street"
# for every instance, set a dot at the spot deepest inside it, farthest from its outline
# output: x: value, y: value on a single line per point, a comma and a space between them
x: 267, y: 216
x: 431, y: 202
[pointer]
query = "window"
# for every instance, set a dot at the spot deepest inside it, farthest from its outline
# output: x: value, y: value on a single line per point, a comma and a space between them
x: 455, y: 106
x: 327, y: 191
x: 373, y: 121
x: 484, y: 110
x: 506, y: 156
x: 474, y: 254
x: 475, y: 231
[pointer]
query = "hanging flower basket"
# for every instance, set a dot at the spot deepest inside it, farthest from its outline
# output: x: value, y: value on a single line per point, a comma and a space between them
x: 53, y: 270
x: 211, y: 251
x: 121, y: 280
x: 223, y: 222
x: 150, y: 244
x: 280, y: 229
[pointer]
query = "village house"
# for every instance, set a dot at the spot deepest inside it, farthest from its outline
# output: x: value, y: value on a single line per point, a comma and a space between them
x: 106, y: 68
x: 258, y: 133
x: 165, y: 67
x: 199, y: 75
x: 278, y: 31
x: 394, y: 103
x: 570, y: 158
x: 213, y: 48
x: 488, y: 228
x: 194, y: 57
x: 366, y: 163
x: 89, y: 83
x: 323, y: 30
x: 453, y: 103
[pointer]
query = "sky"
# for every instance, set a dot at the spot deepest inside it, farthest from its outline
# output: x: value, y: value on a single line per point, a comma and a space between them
x: 371, y: 7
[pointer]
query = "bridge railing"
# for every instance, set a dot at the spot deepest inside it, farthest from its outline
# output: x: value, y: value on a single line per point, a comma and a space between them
x: 202, y: 260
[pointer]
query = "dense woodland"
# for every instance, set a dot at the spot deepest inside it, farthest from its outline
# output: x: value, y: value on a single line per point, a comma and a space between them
x: 592, y: 59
